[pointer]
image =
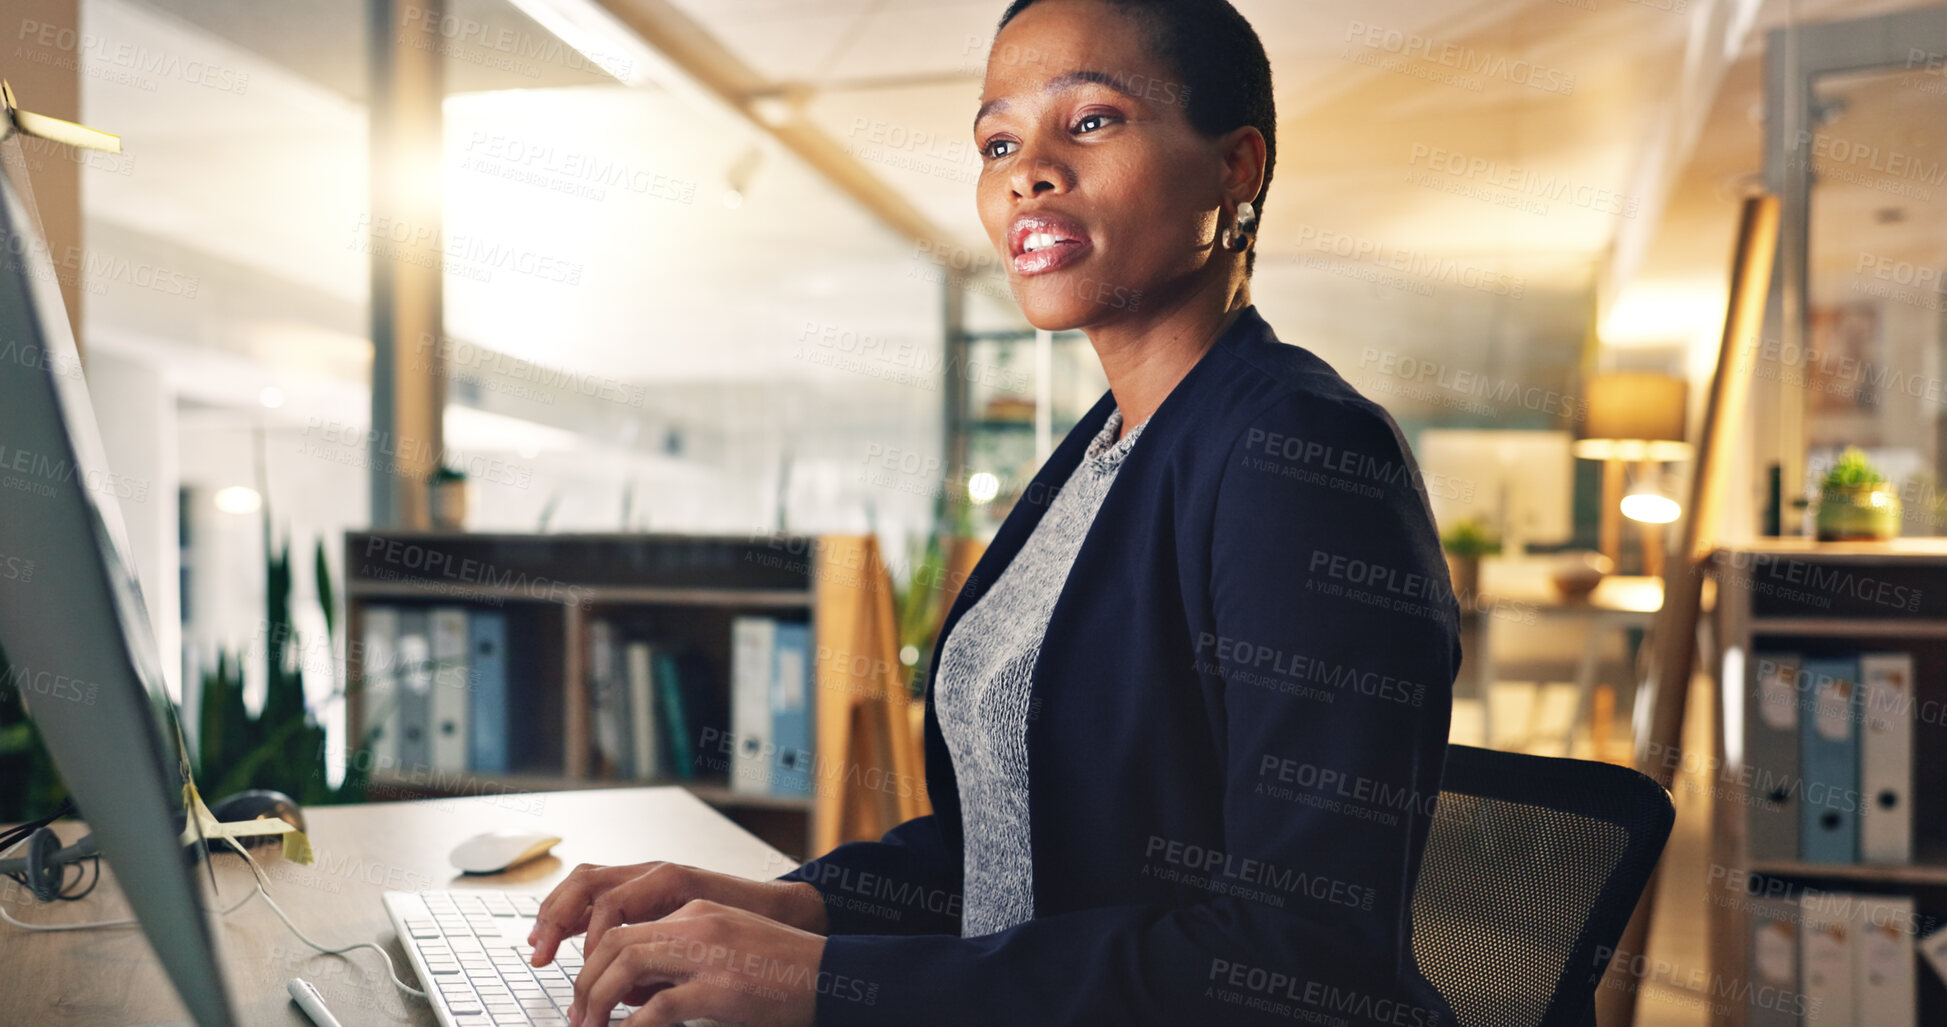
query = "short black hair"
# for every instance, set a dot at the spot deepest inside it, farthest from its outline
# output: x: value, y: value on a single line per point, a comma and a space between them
x: 1221, y: 60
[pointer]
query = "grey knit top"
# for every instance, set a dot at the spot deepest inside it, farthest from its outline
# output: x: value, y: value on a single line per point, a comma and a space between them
x: 981, y: 696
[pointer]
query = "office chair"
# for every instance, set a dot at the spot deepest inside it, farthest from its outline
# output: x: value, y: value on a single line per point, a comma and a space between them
x: 1533, y: 866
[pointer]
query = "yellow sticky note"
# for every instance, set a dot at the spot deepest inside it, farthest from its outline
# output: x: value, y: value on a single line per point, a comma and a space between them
x: 297, y: 847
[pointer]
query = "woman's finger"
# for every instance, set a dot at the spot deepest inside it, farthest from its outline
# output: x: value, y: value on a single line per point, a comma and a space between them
x: 672, y: 1007
x: 629, y: 961
x: 564, y: 912
x: 648, y: 896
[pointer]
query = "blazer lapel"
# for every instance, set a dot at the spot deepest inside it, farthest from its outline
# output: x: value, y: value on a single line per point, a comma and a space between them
x: 1020, y: 521
x: 1158, y: 437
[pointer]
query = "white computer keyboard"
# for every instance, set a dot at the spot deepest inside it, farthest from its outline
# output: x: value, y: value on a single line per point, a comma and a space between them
x: 470, y: 951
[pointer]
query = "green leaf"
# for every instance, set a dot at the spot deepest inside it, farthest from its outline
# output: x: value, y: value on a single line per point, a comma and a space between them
x: 327, y: 598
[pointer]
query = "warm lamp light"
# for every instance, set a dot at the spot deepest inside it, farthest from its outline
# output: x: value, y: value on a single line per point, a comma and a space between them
x: 1632, y: 415
x: 1651, y: 507
x: 1636, y: 417
x: 982, y: 487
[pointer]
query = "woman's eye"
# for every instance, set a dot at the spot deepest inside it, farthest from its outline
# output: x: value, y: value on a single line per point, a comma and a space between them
x: 994, y: 151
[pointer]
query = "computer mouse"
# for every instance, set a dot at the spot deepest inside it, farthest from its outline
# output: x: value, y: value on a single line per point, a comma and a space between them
x: 256, y: 804
x: 495, y: 851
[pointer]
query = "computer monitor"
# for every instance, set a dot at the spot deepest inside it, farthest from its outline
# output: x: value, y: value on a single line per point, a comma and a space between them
x: 75, y: 633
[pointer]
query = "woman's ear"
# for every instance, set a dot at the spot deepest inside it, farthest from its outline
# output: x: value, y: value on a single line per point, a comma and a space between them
x: 1244, y: 156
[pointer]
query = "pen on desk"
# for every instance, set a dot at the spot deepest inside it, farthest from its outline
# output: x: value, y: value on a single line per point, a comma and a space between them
x: 308, y: 999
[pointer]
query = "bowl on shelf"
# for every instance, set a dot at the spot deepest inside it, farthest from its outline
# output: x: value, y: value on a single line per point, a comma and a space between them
x: 1576, y: 574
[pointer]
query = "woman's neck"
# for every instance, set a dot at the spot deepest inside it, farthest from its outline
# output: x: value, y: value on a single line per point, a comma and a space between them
x: 1145, y: 357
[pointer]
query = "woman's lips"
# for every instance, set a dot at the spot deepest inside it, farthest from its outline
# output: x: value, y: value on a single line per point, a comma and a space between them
x: 1053, y: 258
x: 1045, y: 242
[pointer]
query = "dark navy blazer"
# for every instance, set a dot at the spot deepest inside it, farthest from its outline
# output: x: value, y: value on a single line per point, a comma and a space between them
x: 1238, y: 724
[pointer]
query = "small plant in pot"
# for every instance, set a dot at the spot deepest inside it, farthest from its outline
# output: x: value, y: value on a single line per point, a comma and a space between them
x: 1465, y: 543
x: 1856, y: 502
x: 447, y: 487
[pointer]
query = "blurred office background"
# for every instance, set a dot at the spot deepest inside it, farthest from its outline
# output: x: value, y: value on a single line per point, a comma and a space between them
x: 713, y: 267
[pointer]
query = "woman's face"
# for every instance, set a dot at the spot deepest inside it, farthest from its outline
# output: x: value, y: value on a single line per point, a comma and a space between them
x: 1094, y: 188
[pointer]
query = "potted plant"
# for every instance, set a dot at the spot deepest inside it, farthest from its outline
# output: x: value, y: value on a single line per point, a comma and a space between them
x: 1465, y: 543
x: 1856, y: 502
x: 448, y: 499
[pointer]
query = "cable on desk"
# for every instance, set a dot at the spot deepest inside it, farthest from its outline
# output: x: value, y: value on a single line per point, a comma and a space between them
x: 260, y: 880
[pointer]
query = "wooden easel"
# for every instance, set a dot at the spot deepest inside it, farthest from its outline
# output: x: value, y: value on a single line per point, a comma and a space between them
x: 1659, y: 753
x: 870, y: 771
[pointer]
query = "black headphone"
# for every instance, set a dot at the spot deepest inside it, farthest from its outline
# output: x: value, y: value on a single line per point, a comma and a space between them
x: 44, y: 870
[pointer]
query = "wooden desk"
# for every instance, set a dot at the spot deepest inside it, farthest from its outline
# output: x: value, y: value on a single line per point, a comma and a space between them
x: 112, y: 977
x: 1620, y: 601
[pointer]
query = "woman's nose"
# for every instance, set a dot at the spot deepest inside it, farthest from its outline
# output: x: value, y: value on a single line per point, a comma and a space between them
x: 1036, y: 176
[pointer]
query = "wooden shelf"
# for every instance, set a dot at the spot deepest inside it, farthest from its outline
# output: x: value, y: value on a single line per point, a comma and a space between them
x: 448, y: 784
x: 1796, y: 594
x: 1924, y: 550
x: 1870, y: 873
x: 683, y: 591
x: 721, y: 795
x: 1846, y: 627
x: 732, y: 597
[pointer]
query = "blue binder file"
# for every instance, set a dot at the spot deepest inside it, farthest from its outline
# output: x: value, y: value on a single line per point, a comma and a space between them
x: 1829, y: 753
x: 487, y: 661
x: 791, y: 710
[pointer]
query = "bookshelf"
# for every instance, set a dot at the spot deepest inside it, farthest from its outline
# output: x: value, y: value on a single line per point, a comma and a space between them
x: 1820, y: 600
x: 685, y: 592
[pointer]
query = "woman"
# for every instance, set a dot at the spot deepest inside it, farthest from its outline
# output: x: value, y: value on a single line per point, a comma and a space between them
x: 1189, y: 714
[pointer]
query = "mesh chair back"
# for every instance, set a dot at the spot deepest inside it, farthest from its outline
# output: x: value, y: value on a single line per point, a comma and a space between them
x: 1533, y: 866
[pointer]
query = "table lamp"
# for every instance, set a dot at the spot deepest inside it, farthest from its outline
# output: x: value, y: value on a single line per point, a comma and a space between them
x: 1632, y: 417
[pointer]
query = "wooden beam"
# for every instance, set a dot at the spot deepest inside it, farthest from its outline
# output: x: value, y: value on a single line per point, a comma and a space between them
x: 709, y: 66
x: 1659, y: 752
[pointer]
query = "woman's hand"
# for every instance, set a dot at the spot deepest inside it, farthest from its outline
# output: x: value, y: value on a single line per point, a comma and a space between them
x: 705, y: 959
x: 597, y: 899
